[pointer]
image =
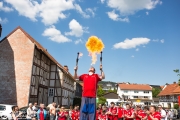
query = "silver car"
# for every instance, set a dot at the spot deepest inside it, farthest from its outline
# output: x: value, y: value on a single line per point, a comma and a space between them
x: 5, y: 111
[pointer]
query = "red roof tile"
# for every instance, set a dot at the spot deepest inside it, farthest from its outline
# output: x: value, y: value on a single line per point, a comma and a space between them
x: 124, y: 86
x: 168, y: 89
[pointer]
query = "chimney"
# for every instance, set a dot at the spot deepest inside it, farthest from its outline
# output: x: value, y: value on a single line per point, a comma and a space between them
x: 174, y: 82
x: 0, y: 30
x: 66, y: 68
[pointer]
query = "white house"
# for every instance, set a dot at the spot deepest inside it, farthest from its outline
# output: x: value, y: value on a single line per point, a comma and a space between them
x: 169, y: 95
x: 136, y: 93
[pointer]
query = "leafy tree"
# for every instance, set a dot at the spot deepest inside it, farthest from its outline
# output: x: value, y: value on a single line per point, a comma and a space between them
x: 101, y: 100
x: 100, y: 91
x: 176, y: 106
x: 155, y: 91
x: 178, y: 74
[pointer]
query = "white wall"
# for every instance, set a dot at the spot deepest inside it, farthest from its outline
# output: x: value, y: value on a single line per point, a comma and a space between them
x: 111, y: 100
x: 131, y: 93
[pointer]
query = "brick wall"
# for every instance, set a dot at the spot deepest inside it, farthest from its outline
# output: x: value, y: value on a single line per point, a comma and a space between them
x: 16, y: 55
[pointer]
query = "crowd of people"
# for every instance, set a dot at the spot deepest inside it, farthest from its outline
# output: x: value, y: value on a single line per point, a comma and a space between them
x: 103, y: 112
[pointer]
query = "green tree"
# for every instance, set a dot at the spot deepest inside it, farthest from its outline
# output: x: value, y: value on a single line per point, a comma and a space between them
x: 176, y: 106
x: 178, y: 74
x: 100, y: 91
x: 155, y: 91
x: 101, y: 100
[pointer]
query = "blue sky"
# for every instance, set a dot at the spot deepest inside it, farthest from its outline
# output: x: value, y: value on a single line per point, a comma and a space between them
x: 141, y: 37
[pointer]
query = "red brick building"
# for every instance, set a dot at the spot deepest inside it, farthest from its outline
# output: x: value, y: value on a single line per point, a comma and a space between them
x: 28, y: 73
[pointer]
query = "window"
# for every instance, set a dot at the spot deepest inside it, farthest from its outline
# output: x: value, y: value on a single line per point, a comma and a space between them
x: 51, y: 92
x: 125, y: 91
x: 2, y: 108
x: 145, y: 96
x: 146, y: 91
x: 136, y: 91
x: 135, y: 96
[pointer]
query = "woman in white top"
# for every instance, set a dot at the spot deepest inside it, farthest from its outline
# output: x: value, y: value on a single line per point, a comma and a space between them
x: 30, y: 112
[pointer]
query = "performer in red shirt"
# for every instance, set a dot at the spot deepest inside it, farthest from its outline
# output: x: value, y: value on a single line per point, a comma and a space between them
x: 120, y: 112
x: 113, y: 112
x: 62, y: 114
x: 103, y: 116
x: 139, y: 113
x: 128, y: 113
x: 88, y: 103
x: 152, y: 114
x: 75, y: 113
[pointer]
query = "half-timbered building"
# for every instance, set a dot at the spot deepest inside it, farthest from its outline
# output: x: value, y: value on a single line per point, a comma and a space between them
x: 28, y: 73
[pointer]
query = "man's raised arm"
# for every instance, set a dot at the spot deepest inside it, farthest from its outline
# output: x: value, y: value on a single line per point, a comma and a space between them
x: 75, y: 73
x: 102, y: 73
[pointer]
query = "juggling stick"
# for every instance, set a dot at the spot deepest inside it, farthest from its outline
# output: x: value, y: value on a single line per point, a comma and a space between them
x: 77, y: 59
x: 101, y: 58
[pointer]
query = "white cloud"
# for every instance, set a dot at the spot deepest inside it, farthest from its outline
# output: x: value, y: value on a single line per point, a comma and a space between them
x: 133, y: 43
x: 5, y: 8
x: 91, y: 11
x: 78, y: 41
x: 132, y: 56
x: 112, y: 15
x: 128, y: 7
x: 157, y: 40
x: 55, y: 35
x: 49, y: 11
x: 3, y: 21
x: 25, y: 8
x: 79, y: 9
x: 102, y: 1
x: 76, y: 29
x: 137, y: 49
x: 162, y: 41
x: 147, y: 13
x: 52, y: 10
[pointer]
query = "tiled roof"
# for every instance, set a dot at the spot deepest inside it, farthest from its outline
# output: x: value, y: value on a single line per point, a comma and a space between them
x: 124, y: 86
x: 170, y: 90
x: 39, y: 46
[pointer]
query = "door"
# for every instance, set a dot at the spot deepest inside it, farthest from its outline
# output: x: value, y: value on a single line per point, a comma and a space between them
x: 42, y: 95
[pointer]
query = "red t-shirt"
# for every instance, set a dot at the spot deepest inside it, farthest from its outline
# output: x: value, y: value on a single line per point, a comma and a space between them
x: 98, y: 112
x: 140, y: 113
x: 120, y: 112
x: 128, y: 113
x: 114, y: 113
x: 155, y: 115
x: 62, y: 115
x: 41, y: 115
x: 89, y: 84
x: 102, y: 117
x: 75, y: 115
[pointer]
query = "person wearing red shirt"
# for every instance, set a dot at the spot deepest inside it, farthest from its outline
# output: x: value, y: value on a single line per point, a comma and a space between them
x: 120, y: 112
x: 103, y: 116
x: 139, y: 113
x: 113, y: 112
x: 152, y: 114
x: 88, y: 102
x: 98, y: 112
x: 62, y: 114
x: 75, y: 113
x: 128, y: 113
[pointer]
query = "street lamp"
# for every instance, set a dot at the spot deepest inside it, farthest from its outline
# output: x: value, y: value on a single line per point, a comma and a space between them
x: 0, y: 30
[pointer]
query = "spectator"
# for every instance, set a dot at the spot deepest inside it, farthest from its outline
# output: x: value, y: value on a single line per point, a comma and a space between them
x: 163, y: 113
x: 62, y: 115
x: 16, y: 114
x: 52, y: 111
x: 42, y: 113
x: 30, y: 112
x: 153, y: 114
x: 70, y: 112
x: 35, y: 108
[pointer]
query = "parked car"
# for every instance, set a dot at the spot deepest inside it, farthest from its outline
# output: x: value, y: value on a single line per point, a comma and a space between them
x: 5, y: 111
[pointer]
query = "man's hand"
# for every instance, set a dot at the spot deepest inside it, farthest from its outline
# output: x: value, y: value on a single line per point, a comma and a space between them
x: 101, y: 67
x: 76, y: 68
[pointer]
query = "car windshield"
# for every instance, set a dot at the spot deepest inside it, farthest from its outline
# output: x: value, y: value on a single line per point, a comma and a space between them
x: 2, y: 108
